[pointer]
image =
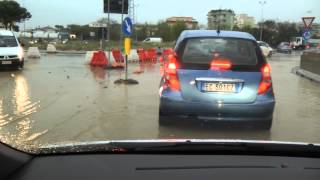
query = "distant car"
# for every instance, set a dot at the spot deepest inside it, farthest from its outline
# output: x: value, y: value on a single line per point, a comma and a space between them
x: 284, y: 47
x: 219, y: 77
x: 313, y: 44
x: 153, y: 40
x: 266, y: 49
x: 11, y: 53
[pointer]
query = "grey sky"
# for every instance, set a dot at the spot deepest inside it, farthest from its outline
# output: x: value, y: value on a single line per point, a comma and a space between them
x: 52, y: 12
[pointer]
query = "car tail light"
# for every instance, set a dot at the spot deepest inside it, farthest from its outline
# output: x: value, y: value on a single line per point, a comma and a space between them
x: 266, y: 82
x: 308, y: 46
x: 220, y: 65
x: 318, y: 47
x: 170, y: 73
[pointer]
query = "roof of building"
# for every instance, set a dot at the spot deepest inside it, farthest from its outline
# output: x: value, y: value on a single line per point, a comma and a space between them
x: 181, y: 18
x: 214, y: 33
x: 221, y: 10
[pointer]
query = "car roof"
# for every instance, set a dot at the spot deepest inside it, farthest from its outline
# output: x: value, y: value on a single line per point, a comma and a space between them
x: 4, y: 32
x: 214, y: 33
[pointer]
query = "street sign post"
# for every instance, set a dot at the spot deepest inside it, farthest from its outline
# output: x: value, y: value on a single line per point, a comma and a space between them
x: 127, y: 31
x: 306, y: 34
x: 307, y: 21
x: 127, y: 48
x: 116, y: 7
x: 127, y: 26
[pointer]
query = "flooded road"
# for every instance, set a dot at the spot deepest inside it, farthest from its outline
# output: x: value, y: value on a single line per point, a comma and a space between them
x: 58, y: 99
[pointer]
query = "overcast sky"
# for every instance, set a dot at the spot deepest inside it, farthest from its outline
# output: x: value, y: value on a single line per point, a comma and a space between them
x: 52, y: 12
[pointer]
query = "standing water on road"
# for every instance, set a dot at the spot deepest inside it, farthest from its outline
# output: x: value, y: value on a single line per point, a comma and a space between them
x: 58, y: 99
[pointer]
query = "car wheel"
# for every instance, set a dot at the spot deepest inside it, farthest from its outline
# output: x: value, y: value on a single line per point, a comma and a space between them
x: 21, y: 65
x: 164, y: 120
x: 265, y: 125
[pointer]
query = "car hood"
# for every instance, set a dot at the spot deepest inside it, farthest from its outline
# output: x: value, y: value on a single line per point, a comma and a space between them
x: 5, y: 51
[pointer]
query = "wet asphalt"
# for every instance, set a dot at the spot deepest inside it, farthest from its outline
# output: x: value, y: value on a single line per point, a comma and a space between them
x: 59, y: 99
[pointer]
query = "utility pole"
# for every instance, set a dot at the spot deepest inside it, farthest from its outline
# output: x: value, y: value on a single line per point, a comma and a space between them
x: 121, y: 34
x: 133, y: 14
x: 262, y: 3
x: 108, y: 33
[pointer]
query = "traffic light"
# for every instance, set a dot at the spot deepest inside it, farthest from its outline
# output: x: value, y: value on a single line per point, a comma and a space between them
x: 116, y: 6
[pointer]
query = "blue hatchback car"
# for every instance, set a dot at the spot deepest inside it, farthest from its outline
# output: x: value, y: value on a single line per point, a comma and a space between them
x: 218, y: 76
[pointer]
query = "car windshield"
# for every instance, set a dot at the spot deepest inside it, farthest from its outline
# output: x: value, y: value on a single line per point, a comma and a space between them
x: 204, y: 50
x: 8, y: 41
x: 79, y: 72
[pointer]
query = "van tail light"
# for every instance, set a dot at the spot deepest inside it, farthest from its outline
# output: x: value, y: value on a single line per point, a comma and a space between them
x: 266, y: 82
x: 170, y: 73
x: 220, y: 65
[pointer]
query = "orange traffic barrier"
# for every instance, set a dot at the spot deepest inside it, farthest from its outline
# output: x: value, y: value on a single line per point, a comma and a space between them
x: 167, y: 51
x: 117, y: 56
x: 142, y: 55
x: 99, y: 58
x: 165, y: 54
x: 152, y: 55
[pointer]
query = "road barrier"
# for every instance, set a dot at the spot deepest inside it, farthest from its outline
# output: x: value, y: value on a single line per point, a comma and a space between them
x: 99, y: 59
x: 152, y: 55
x: 118, y: 57
x: 165, y: 54
x: 33, y: 52
x: 133, y: 57
x: 310, y: 61
x: 51, y: 48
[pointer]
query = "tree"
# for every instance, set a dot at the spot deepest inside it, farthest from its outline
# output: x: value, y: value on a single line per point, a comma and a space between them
x: 164, y: 31
x: 177, y: 28
x: 11, y: 12
x: 59, y: 27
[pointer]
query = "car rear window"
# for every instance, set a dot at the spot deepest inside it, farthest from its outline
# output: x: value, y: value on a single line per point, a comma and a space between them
x: 8, y: 41
x: 205, y: 50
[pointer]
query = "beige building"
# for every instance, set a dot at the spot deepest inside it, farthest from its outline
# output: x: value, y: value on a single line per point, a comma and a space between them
x: 245, y: 20
x: 191, y: 23
x: 225, y: 18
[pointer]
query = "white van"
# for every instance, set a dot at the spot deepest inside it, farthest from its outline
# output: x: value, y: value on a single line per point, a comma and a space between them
x: 153, y: 40
x: 11, y: 53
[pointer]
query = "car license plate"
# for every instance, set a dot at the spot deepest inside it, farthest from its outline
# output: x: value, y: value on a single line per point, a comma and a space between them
x: 6, y: 62
x: 219, y: 87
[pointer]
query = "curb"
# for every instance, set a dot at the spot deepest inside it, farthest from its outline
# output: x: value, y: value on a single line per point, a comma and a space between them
x: 306, y: 74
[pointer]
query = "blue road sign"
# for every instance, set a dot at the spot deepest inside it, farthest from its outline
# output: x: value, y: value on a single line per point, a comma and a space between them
x: 127, y: 26
x: 306, y: 34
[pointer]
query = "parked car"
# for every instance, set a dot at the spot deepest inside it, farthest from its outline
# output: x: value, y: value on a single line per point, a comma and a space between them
x: 11, y: 53
x: 284, y: 47
x: 218, y: 76
x: 153, y: 40
x: 266, y: 48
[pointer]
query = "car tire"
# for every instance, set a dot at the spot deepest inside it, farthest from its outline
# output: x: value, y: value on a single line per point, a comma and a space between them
x: 164, y: 120
x: 21, y: 64
x: 265, y: 125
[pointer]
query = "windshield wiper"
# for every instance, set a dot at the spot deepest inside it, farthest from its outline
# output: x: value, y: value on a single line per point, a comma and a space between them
x: 189, y: 147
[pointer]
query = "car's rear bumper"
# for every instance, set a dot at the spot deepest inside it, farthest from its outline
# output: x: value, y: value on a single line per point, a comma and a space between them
x: 261, y: 110
x: 14, y: 63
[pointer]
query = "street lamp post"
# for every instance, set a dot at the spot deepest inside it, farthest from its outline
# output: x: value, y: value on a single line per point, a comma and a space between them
x: 262, y: 3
